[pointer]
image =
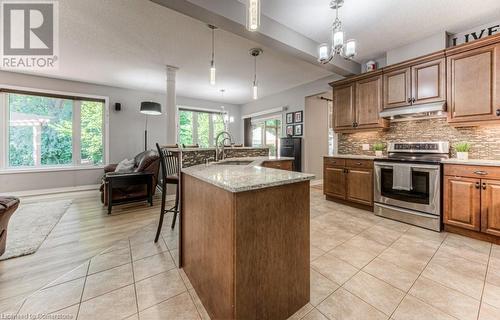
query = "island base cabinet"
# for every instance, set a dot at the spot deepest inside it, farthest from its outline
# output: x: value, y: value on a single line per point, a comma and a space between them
x: 472, y: 201
x: 247, y: 253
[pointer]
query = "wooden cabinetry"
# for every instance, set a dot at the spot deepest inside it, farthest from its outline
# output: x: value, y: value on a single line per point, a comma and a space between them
x: 415, y: 82
x: 343, y: 107
x: 474, y: 85
x: 281, y: 164
x: 357, y: 103
x: 472, y: 201
x: 349, y: 181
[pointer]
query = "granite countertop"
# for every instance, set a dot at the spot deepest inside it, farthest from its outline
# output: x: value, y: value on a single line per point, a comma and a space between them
x: 240, y: 178
x: 475, y: 162
x: 352, y: 156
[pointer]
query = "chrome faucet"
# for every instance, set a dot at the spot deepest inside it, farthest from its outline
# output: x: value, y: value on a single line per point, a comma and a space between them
x: 219, y: 145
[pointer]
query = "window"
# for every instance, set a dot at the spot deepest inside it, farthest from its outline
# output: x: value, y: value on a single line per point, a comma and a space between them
x: 266, y: 133
x: 199, y: 127
x: 52, y: 131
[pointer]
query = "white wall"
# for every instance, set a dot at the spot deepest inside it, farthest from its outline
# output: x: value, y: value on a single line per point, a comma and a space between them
x: 418, y: 48
x: 293, y: 98
x: 126, y: 128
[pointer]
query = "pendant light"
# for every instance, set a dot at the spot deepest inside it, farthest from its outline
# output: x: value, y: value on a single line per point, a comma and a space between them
x: 212, y: 62
x: 347, y: 49
x: 255, y: 52
x: 253, y: 15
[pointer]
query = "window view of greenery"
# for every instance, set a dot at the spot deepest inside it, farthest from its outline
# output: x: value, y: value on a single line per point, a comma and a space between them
x: 200, y: 128
x: 41, y: 131
x: 91, y: 136
x: 267, y: 133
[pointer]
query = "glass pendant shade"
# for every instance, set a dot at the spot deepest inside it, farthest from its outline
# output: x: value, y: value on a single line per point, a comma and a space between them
x: 253, y: 15
x: 212, y: 75
x: 323, y: 51
x: 350, y: 48
x: 338, y: 39
x: 255, y: 91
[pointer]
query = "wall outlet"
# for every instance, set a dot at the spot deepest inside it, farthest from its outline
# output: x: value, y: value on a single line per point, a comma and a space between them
x: 366, y: 147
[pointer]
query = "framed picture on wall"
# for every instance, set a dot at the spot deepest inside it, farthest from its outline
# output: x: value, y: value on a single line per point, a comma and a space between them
x: 289, y: 118
x: 297, y: 116
x: 289, y: 131
x: 297, y: 130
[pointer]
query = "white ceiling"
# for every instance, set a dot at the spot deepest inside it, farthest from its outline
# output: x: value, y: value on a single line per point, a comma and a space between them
x: 381, y: 25
x: 127, y: 43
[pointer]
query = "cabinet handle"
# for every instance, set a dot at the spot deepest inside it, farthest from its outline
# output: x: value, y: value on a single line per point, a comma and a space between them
x: 477, y: 185
x: 498, y: 112
x: 413, y: 100
x: 484, y: 185
x: 481, y: 173
x: 409, y: 100
x: 346, y: 171
x: 358, y: 163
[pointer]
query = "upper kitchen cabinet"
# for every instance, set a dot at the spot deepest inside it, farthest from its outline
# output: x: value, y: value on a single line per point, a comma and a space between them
x: 473, y: 80
x: 414, y: 82
x: 397, y: 88
x: 343, y: 106
x: 357, y: 102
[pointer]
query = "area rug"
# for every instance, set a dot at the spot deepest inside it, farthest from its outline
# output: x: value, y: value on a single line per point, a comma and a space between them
x: 30, y: 225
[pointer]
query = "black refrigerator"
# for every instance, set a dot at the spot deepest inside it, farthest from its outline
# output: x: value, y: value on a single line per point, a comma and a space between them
x: 292, y: 147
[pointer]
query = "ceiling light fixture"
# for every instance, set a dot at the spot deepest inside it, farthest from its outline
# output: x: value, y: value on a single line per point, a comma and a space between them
x: 255, y: 52
x: 212, y: 62
x: 253, y: 15
x: 346, y: 50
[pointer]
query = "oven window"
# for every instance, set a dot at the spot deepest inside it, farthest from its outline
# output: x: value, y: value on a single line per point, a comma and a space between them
x: 420, y: 183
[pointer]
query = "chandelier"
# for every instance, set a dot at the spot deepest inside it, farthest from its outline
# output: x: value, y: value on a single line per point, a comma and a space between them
x: 347, y: 49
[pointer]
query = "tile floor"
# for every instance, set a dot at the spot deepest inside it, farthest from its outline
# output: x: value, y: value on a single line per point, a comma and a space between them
x: 362, y: 267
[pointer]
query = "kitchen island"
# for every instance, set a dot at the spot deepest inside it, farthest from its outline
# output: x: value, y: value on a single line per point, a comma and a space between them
x: 245, y: 238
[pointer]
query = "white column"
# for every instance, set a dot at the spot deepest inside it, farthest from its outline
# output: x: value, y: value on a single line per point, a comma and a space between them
x: 170, y: 106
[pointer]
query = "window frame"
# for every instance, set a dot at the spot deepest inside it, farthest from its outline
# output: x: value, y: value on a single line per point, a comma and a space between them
x: 263, y: 120
x: 211, y: 133
x: 76, y: 135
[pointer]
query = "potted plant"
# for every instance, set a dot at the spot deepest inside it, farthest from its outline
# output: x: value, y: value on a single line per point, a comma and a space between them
x: 379, y: 148
x: 462, y: 149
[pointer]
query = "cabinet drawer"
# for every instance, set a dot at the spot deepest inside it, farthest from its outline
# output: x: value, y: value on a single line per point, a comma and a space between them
x: 482, y: 172
x: 282, y: 165
x: 334, y: 162
x: 355, y: 163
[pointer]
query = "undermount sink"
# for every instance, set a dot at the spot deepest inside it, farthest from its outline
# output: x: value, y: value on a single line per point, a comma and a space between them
x: 234, y: 162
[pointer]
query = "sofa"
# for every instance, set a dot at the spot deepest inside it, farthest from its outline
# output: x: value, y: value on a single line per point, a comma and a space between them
x: 147, y: 161
x: 8, y: 205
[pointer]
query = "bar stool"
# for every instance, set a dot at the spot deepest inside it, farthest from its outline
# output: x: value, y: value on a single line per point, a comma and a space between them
x: 8, y: 205
x: 170, y: 168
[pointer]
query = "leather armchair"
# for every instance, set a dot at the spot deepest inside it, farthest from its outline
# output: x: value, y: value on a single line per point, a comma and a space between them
x: 145, y: 162
x: 8, y: 205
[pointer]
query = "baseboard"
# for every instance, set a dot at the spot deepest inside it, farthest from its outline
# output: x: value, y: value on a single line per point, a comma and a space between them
x: 40, y: 192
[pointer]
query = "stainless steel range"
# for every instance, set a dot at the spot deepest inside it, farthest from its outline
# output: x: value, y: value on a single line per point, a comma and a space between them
x: 408, y: 183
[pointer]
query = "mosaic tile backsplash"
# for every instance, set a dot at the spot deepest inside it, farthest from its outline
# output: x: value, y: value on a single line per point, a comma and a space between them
x: 485, y: 140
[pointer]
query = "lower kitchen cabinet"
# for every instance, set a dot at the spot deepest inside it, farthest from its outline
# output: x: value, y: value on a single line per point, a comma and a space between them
x: 472, y: 201
x: 349, y: 181
x: 279, y: 164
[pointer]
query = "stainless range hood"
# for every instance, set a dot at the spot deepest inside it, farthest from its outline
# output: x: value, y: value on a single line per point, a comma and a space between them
x: 415, y: 111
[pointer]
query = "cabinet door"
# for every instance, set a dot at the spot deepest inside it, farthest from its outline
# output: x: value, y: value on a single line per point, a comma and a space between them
x: 334, y: 182
x: 428, y: 82
x: 343, y: 106
x: 397, y: 88
x: 462, y: 202
x: 368, y: 102
x: 473, y: 80
x: 360, y: 186
x: 490, y: 207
